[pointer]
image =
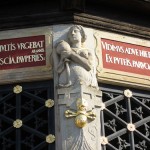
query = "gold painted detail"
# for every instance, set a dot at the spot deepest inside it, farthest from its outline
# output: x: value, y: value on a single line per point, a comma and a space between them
x: 17, y: 89
x: 104, y: 140
x: 50, y: 138
x: 131, y: 127
x: 128, y: 93
x: 49, y: 103
x: 17, y: 123
x: 82, y: 114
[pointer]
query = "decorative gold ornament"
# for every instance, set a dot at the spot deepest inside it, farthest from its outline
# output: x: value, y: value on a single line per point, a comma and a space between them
x: 131, y: 127
x: 104, y: 140
x: 49, y: 103
x: 82, y: 114
x: 81, y: 120
x: 128, y: 93
x: 50, y: 138
x: 17, y: 123
x: 17, y: 89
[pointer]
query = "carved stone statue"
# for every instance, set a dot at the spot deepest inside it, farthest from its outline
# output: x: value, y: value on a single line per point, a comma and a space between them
x: 78, y: 98
x: 75, y: 62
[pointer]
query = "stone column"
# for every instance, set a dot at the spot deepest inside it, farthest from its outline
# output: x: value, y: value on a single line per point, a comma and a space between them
x: 78, y: 129
x: 77, y: 96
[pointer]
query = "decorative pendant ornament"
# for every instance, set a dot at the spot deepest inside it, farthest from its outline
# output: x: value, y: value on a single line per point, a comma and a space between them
x: 104, y: 140
x: 17, y: 89
x: 49, y: 103
x: 131, y: 127
x: 128, y: 93
x: 50, y: 138
x: 17, y: 123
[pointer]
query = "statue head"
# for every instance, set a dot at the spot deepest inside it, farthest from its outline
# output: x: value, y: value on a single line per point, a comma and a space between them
x: 76, y: 34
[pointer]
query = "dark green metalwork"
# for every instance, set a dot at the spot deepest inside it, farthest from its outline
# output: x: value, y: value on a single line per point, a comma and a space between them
x: 119, y: 112
x: 28, y: 106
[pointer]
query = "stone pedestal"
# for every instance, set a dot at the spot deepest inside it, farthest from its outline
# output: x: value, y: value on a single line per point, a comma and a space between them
x: 70, y: 136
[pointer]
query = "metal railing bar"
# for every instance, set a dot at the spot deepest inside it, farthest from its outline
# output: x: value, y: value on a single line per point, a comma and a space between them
x: 51, y: 118
x: 18, y: 106
x: 33, y: 131
x: 39, y: 110
x: 141, y: 95
x: 36, y: 85
x: 18, y: 139
x: 116, y: 134
x: 111, y: 147
x: 36, y: 98
x: 111, y: 89
x: 102, y: 123
x: 141, y: 104
x: 8, y: 120
x: 103, y: 147
x: 131, y: 137
x: 6, y: 131
x: 141, y: 122
x: 129, y: 113
x: 114, y: 100
x: 39, y: 146
x: 6, y: 97
x: 116, y: 117
x: 141, y: 135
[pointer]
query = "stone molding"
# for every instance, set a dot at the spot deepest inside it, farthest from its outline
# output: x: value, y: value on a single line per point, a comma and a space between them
x: 85, y: 19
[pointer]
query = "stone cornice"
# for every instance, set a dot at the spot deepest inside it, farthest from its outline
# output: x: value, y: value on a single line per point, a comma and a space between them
x: 87, y: 20
x: 35, y: 20
x: 112, y: 25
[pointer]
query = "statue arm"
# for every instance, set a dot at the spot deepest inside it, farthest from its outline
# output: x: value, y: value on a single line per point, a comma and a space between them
x: 86, y: 63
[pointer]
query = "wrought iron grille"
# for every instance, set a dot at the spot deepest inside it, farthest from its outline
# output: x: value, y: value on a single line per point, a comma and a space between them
x: 125, y: 119
x: 26, y: 120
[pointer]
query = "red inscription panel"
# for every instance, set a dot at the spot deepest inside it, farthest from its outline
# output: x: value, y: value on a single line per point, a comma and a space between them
x: 125, y: 57
x: 22, y: 52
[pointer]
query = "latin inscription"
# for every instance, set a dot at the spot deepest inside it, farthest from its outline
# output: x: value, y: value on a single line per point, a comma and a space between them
x: 125, y: 57
x: 22, y: 52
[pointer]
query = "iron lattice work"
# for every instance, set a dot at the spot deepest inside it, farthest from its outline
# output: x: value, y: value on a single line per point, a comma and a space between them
x: 36, y: 121
x: 125, y: 120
